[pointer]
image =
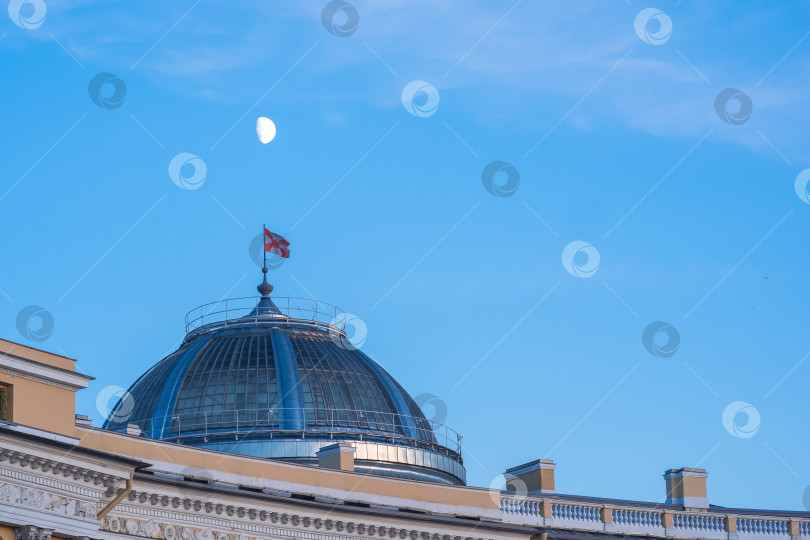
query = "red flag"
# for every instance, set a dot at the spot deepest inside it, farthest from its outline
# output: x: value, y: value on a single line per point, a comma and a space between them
x: 275, y: 243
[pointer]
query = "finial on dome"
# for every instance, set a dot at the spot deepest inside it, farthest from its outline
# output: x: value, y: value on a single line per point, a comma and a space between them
x: 265, y: 288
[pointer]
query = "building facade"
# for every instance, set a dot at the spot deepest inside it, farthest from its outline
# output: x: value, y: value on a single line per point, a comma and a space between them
x: 267, y: 424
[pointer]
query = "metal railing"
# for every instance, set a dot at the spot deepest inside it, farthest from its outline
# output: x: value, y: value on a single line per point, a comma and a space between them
x: 302, y: 422
x: 248, y: 310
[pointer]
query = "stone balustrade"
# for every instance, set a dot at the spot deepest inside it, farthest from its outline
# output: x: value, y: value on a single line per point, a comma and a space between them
x: 666, y: 520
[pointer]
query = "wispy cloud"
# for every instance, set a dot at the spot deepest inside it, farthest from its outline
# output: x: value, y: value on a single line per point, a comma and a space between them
x: 536, y: 52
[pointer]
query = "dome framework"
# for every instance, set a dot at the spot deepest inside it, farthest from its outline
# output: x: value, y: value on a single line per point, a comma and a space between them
x: 280, y: 379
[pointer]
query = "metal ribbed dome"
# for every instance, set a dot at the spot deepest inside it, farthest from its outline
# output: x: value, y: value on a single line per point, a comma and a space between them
x: 255, y: 379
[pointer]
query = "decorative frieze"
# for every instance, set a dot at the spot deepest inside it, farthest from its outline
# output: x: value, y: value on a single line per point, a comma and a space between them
x: 30, y: 532
x: 152, y: 523
x: 166, y: 531
x: 47, y: 482
x: 45, y: 501
x: 57, y: 468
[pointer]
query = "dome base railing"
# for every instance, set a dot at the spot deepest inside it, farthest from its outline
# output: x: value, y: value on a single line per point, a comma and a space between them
x: 306, y: 422
x: 252, y: 310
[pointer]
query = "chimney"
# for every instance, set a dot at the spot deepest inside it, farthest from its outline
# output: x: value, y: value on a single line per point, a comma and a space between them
x: 133, y: 429
x: 687, y: 487
x: 338, y: 456
x: 533, y: 477
x: 82, y: 420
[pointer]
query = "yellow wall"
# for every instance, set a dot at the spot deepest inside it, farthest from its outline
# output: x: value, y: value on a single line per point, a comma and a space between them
x: 55, y: 360
x: 40, y: 405
x: 151, y: 451
x: 6, y: 533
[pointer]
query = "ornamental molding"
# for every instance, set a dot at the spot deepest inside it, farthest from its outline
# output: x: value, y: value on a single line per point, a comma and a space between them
x: 165, y: 517
x: 302, y: 527
x: 48, y: 483
x: 30, y: 532
x: 23, y: 460
x: 14, y: 494
x: 22, y: 373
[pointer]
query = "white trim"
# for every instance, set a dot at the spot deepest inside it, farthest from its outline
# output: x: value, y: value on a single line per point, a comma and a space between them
x: 35, y: 371
x: 330, y: 493
x: 28, y: 430
x: 536, y: 465
x: 338, y: 448
x: 690, y: 502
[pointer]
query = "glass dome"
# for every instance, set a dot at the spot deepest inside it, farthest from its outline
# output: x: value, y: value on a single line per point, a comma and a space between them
x: 257, y: 379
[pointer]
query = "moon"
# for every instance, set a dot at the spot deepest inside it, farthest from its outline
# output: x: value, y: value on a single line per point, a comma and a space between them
x: 265, y: 129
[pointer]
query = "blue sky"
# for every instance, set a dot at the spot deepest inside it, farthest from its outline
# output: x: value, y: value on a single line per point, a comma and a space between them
x: 617, y: 143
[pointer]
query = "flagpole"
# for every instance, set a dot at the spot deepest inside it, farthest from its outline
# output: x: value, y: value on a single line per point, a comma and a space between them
x: 265, y: 288
x: 264, y: 251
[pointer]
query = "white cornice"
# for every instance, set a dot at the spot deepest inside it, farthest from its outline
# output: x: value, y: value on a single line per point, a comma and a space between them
x: 391, y: 500
x: 51, y: 461
x: 208, y: 518
x: 28, y: 430
x: 35, y: 371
